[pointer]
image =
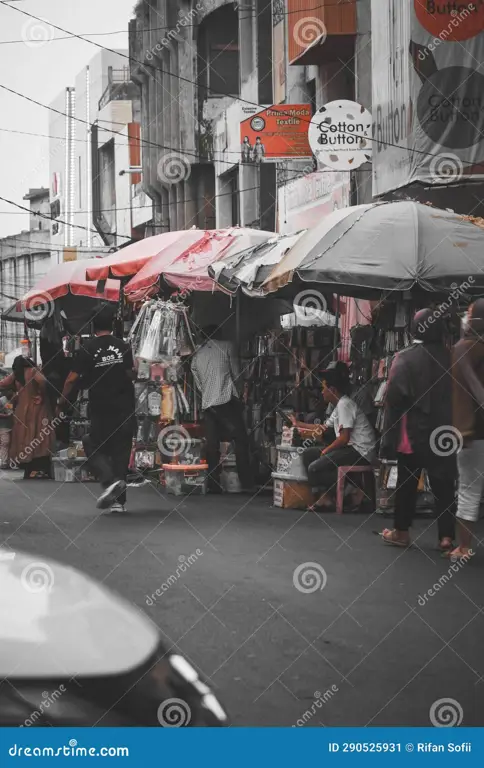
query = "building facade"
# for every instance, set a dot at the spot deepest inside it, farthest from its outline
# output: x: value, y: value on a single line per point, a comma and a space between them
x: 428, y: 104
x: 24, y: 258
x: 206, y: 75
x: 217, y: 83
x: 94, y: 188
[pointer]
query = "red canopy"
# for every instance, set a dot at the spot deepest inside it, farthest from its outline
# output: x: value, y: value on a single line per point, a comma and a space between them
x: 64, y: 278
x: 128, y: 261
x: 188, y: 270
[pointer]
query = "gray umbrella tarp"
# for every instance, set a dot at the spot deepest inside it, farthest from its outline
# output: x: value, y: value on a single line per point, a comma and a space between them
x: 394, y: 246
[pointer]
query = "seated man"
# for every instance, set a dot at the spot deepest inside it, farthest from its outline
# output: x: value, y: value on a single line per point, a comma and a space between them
x: 354, y: 443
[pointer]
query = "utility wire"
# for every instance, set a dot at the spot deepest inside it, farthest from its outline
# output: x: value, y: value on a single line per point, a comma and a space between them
x: 59, y: 221
x: 236, y: 97
x: 151, y: 66
x: 180, y: 152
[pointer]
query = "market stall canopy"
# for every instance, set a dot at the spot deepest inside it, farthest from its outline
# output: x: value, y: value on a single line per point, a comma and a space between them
x: 128, y: 261
x: 390, y: 246
x: 247, y: 270
x: 66, y: 278
x: 188, y: 269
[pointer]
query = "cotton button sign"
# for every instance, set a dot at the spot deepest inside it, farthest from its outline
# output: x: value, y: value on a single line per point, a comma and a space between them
x: 340, y: 135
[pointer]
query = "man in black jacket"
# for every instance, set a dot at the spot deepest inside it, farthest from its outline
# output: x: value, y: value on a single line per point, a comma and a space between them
x: 418, y: 429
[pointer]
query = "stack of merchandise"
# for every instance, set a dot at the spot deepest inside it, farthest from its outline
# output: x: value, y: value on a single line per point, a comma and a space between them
x: 70, y: 465
x: 281, y: 371
x: 166, y: 404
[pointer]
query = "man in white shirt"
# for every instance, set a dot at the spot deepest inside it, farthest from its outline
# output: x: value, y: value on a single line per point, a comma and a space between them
x: 216, y: 374
x: 354, y: 444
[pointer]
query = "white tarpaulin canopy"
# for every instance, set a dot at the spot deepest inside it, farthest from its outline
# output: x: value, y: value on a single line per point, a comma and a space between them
x: 247, y: 269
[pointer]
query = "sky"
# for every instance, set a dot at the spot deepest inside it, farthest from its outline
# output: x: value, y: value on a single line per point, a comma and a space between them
x: 40, y: 67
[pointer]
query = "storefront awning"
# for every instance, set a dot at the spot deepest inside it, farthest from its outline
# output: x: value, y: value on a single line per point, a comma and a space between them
x: 187, y: 270
x: 67, y: 278
x: 128, y: 261
x: 248, y: 269
x: 387, y: 246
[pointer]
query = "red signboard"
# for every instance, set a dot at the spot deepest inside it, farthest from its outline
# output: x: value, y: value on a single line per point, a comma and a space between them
x: 276, y: 132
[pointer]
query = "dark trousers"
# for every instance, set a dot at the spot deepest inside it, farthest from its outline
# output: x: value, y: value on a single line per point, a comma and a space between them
x: 108, y: 449
x: 442, y: 478
x: 226, y: 422
x: 323, y: 470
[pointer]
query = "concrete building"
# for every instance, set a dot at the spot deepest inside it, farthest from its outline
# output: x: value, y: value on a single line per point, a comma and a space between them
x: 331, y: 45
x: 24, y: 258
x: 39, y: 208
x: 207, y: 71
x: 93, y: 188
x: 428, y: 109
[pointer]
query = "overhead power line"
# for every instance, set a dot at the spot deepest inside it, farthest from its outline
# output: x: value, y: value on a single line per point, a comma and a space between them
x: 236, y: 97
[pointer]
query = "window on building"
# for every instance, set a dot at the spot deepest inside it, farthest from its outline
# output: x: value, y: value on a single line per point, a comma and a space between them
x: 218, y: 52
x: 268, y: 196
x: 233, y: 190
x: 264, y: 51
x: 311, y: 88
x: 79, y: 183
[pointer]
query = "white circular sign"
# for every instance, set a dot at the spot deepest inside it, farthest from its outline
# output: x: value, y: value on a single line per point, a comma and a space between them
x: 340, y: 135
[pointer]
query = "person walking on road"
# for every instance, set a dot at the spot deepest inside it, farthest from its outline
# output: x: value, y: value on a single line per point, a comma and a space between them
x: 33, y: 435
x: 105, y: 366
x: 418, y: 416
x: 468, y: 422
x: 215, y: 371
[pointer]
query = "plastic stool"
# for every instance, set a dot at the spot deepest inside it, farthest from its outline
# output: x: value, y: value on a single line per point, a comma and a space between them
x: 343, y: 472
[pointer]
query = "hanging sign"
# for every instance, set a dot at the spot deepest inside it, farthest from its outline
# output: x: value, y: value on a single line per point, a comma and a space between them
x: 340, y: 135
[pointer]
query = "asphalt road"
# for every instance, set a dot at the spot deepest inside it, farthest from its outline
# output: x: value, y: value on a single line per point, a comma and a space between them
x: 353, y: 630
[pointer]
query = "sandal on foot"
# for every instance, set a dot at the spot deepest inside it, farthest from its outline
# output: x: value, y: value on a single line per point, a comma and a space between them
x: 390, y: 536
x: 446, y: 544
x: 458, y: 554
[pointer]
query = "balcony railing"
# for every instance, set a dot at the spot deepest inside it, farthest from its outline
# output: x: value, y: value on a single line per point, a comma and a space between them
x: 119, y: 87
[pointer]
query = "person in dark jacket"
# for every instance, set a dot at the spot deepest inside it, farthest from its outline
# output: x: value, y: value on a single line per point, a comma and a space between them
x: 418, y: 429
x: 468, y: 423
